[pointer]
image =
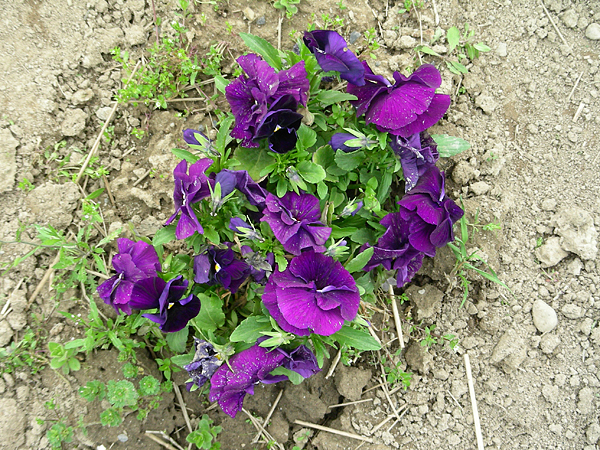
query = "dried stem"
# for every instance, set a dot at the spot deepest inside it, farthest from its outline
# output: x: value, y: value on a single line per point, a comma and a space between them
x: 473, y: 403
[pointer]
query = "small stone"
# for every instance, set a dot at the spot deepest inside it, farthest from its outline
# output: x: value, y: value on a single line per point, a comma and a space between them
x: 480, y: 188
x: 550, y: 393
x: 551, y: 252
x: 74, y: 122
x: 586, y: 401
x: 6, y: 333
x: 302, y: 436
x: 8, y: 162
x: 350, y: 381
x: 570, y: 18
x: 57, y: 329
x: 544, y: 316
x: 82, y: 96
x: 407, y: 42
x: 249, y: 14
x: 427, y: 299
x: 586, y: 326
x: 486, y: 103
x: 576, y: 228
x: 572, y: 137
x: 463, y: 172
x: 571, y: 311
x: 502, y: 50
x: 103, y: 113
x: 22, y: 393
x: 593, y: 32
x: 548, y: 204
x: 354, y: 36
x: 418, y: 358
x: 135, y: 35
x: 261, y: 21
x: 575, y: 267
x: 548, y: 343
x: 593, y: 433
x: 509, y: 352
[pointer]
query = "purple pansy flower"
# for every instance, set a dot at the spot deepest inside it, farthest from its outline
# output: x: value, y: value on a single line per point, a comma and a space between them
x: 429, y: 212
x: 189, y: 189
x: 300, y: 360
x: 243, y: 229
x: 204, y: 364
x: 295, y: 221
x: 314, y: 294
x: 196, y: 138
x: 220, y: 266
x: 338, y: 142
x: 407, y: 107
x: 231, y: 382
x: 173, y: 312
x: 280, y: 125
x: 331, y: 51
x: 259, y: 87
x: 240, y: 180
x: 393, y: 250
x: 416, y: 153
x: 134, y: 262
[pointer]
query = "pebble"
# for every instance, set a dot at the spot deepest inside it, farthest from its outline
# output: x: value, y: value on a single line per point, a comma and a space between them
x: 576, y: 228
x: 103, y: 113
x: 575, y: 267
x: 480, y: 188
x: 548, y: 343
x: 261, y: 21
x: 82, y: 96
x: 354, y: 36
x: 74, y: 122
x: 407, y: 42
x: 593, y: 433
x: 550, y: 393
x: 6, y: 333
x: 544, y: 316
x: 502, y: 49
x: 509, y: 352
x: 572, y: 311
x: 486, y: 103
x: 570, y: 18
x: 593, y: 32
x: 551, y: 252
x: 249, y: 14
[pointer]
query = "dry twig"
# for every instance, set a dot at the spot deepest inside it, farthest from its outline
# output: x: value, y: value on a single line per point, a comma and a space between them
x: 161, y: 442
x: 554, y: 25
x: 333, y: 431
x: 266, y: 421
x: 396, y: 317
x: 182, y: 406
x: 574, y: 87
x: 334, y: 364
x: 473, y: 403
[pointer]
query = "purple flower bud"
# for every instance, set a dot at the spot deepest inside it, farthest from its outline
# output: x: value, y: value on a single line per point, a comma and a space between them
x: 338, y: 142
x: 242, y: 228
x: 417, y: 153
x: 204, y: 364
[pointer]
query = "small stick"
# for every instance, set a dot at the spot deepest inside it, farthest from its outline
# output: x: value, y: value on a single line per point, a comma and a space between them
x: 473, y: 403
x: 454, y: 398
x: 182, y: 406
x: 258, y: 426
x: 435, y: 13
x: 131, y: 150
x: 574, y: 87
x: 98, y: 274
x: 578, y: 112
x: 189, y: 99
x: 350, y: 403
x: 155, y: 21
x: 266, y: 421
x: 380, y: 424
x: 160, y: 441
x: 554, y: 25
x: 142, y: 177
x: 104, y: 127
x: 110, y: 196
x: 45, y: 278
x: 396, y: 317
x: 279, y: 31
x: 334, y: 364
x: 331, y: 430
x: 7, y: 304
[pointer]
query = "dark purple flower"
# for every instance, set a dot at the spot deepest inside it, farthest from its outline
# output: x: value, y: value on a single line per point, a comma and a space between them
x: 199, y: 141
x: 314, y: 294
x: 429, y: 212
x: 260, y: 266
x: 173, y: 312
x: 393, y: 250
x: 300, y: 360
x: 220, y: 266
x: 405, y: 108
x: 240, y: 180
x: 338, y: 142
x: 204, y: 364
x: 280, y: 125
x: 295, y: 221
x: 331, y: 51
x: 259, y: 87
x: 231, y: 382
x: 416, y: 153
x: 243, y: 229
x: 134, y: 262
x: 189, y: 189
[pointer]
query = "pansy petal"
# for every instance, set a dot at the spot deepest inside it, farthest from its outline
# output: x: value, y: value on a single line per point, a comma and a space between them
x: 436, y: 110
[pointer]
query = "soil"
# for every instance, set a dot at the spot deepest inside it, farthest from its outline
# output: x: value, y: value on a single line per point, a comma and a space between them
x: 530, y: 110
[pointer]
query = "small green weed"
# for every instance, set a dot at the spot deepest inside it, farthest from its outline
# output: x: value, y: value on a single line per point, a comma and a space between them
x: 63, y: 358
x: 466, y: 49
x: 24, y: 354
x: 288, y: 5
x: 204, y: 434
x: 25, y: 185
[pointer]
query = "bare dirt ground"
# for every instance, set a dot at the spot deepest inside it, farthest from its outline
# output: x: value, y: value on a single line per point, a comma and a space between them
x: 531, y: 112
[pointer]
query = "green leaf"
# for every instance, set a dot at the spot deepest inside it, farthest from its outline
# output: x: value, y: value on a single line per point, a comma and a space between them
x: 330, y: 97
x: 178, y: 340
x: 254, y: 161
x: 472, y: 52
x: 482, y: 47
x: 311, y: 172
x: 182, y: 360
x: 250, y: 329
x: 263, y: 48
x: 349, y: 161
x: 164, y: 235
x: 338, y: 233
x: 212, y: 236
x: 453, y: 38
x: 223, y: 137
x: 75, y: 343
x: 294, y: 377
x: 97, y: 193
x: 360, y: 260
x: 184, y: 154
x: 306, y: 137
x: 450, y: 145
x: 427, y: 50
x: 362, y: 236
x: 221, y: 83
x: 74, y: 364
x: 321, y: 190
x: 456, y: 67
x: 211, y: 314
x: 359, y: 339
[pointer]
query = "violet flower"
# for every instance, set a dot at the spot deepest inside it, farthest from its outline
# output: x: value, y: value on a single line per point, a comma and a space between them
x: 189, y: 189
x: 174, y: 313
x: 243, y: 229
x: 204, y: 364
x: 280, y: 125
x: 314, y: 294
x: 295, y: 221
x: 220, y: 266
x: 429, y: 212
x: 199, y: 141
x: 300, y: 360
x: 232, y: 381
x: 338, y: 142
x: 393, y: 250
x: 331, y: 51
x: 407, y: 107
x: 259, y: 87
x: 134, y: 262
x: 240, y: 180
x: 417, y: 153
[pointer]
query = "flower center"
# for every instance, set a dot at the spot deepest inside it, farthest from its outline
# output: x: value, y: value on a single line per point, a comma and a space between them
x: 217, y: 267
